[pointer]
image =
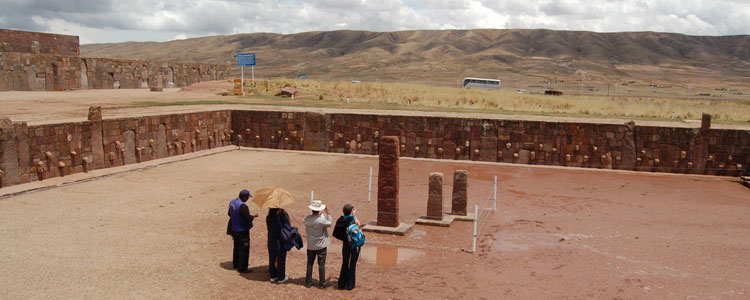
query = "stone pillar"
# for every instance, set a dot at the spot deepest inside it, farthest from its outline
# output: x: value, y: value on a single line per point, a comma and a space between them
x: 129, y: 148
x: 97, y: 145
x: 435, y: 196
x: 705, y: 123
x: 388, y: 182
x: 8, y: 153
x: 629, y: 151
x: 488, y: 148
x: 460, y: 186
x: 24, y: 155
x: 315, y: 125
x: 161, y: 142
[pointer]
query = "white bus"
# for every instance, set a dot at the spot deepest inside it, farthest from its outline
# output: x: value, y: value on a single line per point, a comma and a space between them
x: 480, y: 83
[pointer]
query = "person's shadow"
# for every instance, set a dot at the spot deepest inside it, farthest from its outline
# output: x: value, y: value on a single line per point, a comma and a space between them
x: 260, y: 273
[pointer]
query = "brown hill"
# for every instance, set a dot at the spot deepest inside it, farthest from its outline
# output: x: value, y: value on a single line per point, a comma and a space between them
x: 446, y: 55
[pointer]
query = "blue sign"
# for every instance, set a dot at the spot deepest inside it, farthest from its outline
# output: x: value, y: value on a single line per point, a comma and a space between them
x: 245, y: 59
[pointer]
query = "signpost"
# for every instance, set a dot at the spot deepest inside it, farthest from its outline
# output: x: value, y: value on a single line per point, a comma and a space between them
x: 246, y: 60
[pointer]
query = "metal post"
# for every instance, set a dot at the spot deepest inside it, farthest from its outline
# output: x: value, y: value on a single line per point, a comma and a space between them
x: 474, y: 243
x: 242, y: 69
x: 253, y: 70
x: 494, y: 195
x: 312, y: 196
x: 369, y: 188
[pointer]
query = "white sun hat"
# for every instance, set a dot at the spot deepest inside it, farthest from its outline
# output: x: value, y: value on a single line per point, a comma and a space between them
x: 317, y: 205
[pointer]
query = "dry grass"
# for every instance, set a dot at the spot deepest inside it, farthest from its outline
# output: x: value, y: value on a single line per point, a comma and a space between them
x: 508, y: 101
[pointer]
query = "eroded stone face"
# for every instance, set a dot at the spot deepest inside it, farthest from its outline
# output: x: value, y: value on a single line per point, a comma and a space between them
x: 388, y: 180
x: 460, y: 187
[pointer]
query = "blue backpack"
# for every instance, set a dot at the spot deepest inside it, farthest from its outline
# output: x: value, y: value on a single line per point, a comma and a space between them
x: 355, y: 235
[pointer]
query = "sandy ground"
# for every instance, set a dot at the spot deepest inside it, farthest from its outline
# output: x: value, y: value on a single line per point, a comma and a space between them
x: 558, y: 234
x: 70, y: 106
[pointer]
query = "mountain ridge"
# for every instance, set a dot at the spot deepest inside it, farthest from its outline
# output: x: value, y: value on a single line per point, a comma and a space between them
x: 450, y: 54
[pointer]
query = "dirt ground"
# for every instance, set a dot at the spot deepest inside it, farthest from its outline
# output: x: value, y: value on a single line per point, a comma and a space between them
x: 71, y: 106
x: 558, y: 234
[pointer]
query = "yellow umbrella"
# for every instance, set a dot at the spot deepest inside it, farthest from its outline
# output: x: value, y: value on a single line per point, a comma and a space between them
x: 272, y: 197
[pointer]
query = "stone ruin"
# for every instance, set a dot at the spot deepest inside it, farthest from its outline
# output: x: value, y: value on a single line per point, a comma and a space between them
x: 388, y: 185
x: 435, y: 215
x: 435, y: 196
x: 96, y: 143
x: 388, y: 179
x: 32, y: 61
x: 460, y: 187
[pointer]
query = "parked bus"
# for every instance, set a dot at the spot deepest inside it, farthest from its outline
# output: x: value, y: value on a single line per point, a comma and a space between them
x: 480, y: 83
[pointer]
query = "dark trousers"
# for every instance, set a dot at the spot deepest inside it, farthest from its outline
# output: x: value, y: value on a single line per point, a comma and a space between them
x: 277, y: 263
x: 241, y: 253
x: 321, y: 255
x: 348, y: 267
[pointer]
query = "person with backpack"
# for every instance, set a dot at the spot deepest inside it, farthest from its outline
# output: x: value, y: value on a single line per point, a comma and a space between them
x: 240, y: 223
x: 276, y: 219
x: 348, y: 231
x: 316, y: 226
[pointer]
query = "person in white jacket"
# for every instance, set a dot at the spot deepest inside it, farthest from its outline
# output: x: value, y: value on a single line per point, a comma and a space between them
x: 316, y: 227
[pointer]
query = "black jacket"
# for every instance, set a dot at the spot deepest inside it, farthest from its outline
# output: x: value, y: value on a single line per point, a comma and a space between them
x: 274, y: 231
x: 339, y: 230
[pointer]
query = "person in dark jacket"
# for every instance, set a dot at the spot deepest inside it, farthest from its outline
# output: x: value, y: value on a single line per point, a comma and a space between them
x: 276, y: 218
x: 350, y: 255
x: 242, y: 222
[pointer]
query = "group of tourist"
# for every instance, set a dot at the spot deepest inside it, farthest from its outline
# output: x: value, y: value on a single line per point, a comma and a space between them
x: 279, y: 227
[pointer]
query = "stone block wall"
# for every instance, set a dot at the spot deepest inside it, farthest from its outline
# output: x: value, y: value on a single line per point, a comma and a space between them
x: 38, y: 43
x: 271, y: 129
x: 135, y: 140
x: 37, y: 72
x: 589, y: 145
x: 31, y: 152
x: 52, y: 150
x: 102, y: 73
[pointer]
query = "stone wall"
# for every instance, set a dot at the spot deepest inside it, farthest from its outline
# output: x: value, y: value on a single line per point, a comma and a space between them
x: 588, y: 145
x: 52, y: 150
x: 39, y: 72
x: 38, y: 43
x: 28, y: 153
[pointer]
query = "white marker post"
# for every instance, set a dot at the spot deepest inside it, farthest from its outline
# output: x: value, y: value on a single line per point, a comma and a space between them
x: 494, y: 195
x: 474, y: 243
x: 369, y: 188
x: 312, y: 196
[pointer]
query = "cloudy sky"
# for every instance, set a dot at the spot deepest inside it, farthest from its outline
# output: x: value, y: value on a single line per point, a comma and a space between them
x: 102, y: 21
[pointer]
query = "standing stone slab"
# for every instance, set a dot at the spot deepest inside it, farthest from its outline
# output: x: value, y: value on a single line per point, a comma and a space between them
x: 460, y: 186
x: 629, y: 151
x: 315, y: 125
x: 435, y: 196
x: 24, y: 156
x: 97, y: 145
x: 388, y: 182
x: 161, y: 142
x: 129, y: 147
x: 488, y: 148
x: 8, y: 153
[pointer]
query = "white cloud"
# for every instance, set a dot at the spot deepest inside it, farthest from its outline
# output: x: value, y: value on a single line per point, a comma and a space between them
x: 179, y: 37
x: 112, y: 20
